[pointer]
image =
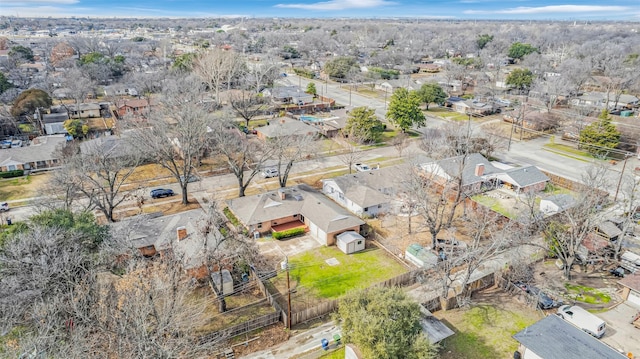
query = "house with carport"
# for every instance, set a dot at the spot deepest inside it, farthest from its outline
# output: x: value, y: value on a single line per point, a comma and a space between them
x: 294, y: 207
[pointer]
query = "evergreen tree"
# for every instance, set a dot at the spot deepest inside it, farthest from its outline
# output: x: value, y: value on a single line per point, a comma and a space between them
x: 601, y: 136
x: 364, y: 125
x: 404, y: 109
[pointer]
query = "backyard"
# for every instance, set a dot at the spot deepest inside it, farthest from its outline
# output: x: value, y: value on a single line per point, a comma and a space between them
x: 484, y: 330
x: 328, y: 273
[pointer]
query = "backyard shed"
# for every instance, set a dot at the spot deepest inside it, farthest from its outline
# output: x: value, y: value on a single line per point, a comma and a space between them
x: 350, y: 242
x: 227, y: 281
x: 422, y: 257
x: 556, y: 203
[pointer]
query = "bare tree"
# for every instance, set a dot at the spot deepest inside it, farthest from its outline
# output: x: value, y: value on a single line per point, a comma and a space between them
x: 350, y: 153
x: 247, y: 105
x: 216, y: 67
x: 101, y: 169
x: 177, y: 135
x: 289, y: 149
x: 244, y: 156
x: 565, y: 232
x: 79, y: 86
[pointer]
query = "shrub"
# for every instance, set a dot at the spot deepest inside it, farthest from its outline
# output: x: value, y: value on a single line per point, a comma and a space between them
x: 304, y: 73
x: 11, y: 174
x: 288, y: 233
x: 231, y: 217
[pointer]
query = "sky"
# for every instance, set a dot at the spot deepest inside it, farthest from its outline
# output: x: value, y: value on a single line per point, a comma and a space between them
x: 617, y: 10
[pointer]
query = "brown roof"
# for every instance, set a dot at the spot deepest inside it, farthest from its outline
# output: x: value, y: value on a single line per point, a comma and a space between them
x: 631, y: 281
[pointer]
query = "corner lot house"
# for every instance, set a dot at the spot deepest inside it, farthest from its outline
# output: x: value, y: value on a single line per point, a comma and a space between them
x: 553, y: 337
x: 294, y: 207
x: 478, y: 174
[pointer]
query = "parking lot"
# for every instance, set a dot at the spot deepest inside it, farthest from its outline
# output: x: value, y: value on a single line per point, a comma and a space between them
x: 621, y: 334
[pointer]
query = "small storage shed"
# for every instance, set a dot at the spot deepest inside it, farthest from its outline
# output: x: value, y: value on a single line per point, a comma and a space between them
x: 422, y: 257
x: 227, y: 281
x: 350, y: 242
x: 556, y: 203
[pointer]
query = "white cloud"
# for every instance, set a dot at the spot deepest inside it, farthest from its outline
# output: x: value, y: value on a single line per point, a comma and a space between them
x: 551, y: 9
x: 338, y: 5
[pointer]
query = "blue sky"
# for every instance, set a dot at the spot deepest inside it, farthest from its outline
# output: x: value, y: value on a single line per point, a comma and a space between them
x: 628, y: 10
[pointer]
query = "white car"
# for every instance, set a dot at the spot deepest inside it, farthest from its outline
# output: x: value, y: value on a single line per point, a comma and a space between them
x: 4, y: 206
x: 270, y: 172
x: 361, y: 167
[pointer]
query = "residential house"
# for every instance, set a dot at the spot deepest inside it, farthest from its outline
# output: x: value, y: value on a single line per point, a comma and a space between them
x: 365, y: 193
x: 39, y: 155
x: 601, y: 100
x: 553, y: 337
x: 136, y: 108
x: 294, y: 207
x: 85, y: 110
x: 53, y: 122
x: 288, y: 95
x: 478, y: 174
x: 631, y: 289
x: 285, y: 127
x: 556, y: 203
x: 178, y: 234
x: 473, y: 107
x: 120, y: 90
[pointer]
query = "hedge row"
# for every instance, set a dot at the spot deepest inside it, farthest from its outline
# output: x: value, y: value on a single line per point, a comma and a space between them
x: 227, y: 212
x: 304, y: 73
x: 10, y: 174
x: 288, y: 233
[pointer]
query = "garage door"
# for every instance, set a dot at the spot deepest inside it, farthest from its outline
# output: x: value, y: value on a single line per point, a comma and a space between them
x: 634, y: 297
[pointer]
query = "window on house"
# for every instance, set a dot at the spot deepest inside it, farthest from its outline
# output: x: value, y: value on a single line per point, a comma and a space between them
x: 259, y: 225
x: 11, y: 167
x: 359, y: 242
x: 366, y: 209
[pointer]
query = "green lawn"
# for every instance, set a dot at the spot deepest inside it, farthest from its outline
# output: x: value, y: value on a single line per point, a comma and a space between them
x: 484, y: 331
x: 568, y: 151
x: 585, y: 294
x: 310, y: 272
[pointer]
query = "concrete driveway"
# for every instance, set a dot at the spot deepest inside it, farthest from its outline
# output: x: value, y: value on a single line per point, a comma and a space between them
x: 274, y: 248
x: 621, y: 334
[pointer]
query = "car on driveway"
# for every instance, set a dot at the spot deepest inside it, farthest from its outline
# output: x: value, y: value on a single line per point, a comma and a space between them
x: 270, y: 172
x: 544, y: 301
x: 161, y: 192
x: 4, y: 206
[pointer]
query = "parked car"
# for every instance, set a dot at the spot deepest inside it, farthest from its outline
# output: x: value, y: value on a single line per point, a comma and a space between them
x: 270, y: 172
x: 4, y: 206
x: 192, y: 178
x: 161, y: 192
x: 544, y: 301
x: 361, y: 167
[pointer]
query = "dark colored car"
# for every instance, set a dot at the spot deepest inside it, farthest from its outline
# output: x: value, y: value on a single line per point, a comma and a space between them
x: 544, y: 301
x: 161, y: 192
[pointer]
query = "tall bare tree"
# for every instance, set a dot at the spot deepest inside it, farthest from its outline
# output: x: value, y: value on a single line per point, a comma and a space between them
x: 217, y: 67
x: 289, y: 149
x: 177, y: 134
x: 244, y: 156
x: 101, y: 169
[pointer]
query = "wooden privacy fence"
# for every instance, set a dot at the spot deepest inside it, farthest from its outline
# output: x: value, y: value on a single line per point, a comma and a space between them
x: 242, y: 328
x: 319, y: 310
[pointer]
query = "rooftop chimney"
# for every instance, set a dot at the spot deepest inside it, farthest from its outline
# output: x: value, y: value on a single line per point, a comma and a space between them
x: 479, y: 169
x: 282, y: 194
x: 182, y: 233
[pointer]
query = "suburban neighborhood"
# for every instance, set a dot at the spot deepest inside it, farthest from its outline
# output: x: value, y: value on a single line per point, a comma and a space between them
x: 306, y: 188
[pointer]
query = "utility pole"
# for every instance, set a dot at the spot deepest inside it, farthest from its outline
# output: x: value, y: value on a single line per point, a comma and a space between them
x: 624, y: 165
x: 286, y: 263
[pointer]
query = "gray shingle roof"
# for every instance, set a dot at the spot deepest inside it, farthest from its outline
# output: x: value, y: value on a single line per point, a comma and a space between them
x: 553, y: 337
x: 286, y: 127
x: 524, y: 176
x: 41, y: 149
x: 301, y: 199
